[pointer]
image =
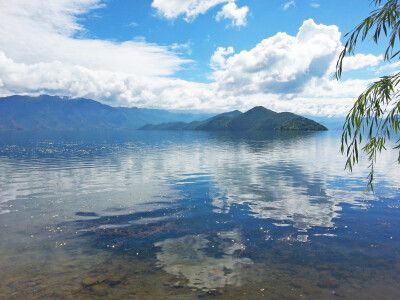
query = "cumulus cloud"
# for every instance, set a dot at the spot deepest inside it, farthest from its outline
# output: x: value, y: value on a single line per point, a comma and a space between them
x: 44, y: 31
x: 282, y: 64
x: 218, y: 59
x: 231, y: 11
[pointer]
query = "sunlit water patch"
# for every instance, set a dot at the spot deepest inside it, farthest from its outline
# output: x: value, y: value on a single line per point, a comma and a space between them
x: 186, y: 215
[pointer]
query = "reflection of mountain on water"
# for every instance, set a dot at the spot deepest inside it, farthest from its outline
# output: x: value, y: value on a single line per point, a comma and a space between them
x: 263, y: 135
x: 189, y: 257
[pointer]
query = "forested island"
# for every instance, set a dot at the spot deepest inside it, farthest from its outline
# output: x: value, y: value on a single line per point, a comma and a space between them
x: 256, y: 119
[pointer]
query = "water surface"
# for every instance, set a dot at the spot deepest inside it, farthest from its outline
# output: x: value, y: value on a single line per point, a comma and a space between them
x: 187, y: 215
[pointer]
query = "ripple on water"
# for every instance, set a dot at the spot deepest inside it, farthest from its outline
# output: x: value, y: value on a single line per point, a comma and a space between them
x: 187, y: 215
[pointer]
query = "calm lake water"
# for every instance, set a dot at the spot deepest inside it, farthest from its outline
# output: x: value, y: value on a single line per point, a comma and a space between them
x: 187, y: 215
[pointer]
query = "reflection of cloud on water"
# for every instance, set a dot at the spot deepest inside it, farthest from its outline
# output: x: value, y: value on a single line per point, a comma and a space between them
x: 105, y: 184
x: 298, y: 181
x: 280, y: 199
x: 189, y: 257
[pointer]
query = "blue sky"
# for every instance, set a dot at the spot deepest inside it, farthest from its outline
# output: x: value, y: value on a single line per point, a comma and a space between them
x: 202, y: 55
x: 126, y: 20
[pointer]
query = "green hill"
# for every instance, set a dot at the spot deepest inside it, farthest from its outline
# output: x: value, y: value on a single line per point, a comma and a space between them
x: 301, y: 123
x: 256, y: 119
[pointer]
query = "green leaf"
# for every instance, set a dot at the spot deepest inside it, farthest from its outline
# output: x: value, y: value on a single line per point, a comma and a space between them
x: 377, y: 109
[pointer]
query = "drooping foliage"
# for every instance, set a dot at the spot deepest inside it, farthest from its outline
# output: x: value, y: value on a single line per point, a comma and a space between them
x: 375, y: 114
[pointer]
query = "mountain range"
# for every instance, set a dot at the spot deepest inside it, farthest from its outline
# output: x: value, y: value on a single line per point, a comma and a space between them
x: 256, y: 119
x: 62, y: 113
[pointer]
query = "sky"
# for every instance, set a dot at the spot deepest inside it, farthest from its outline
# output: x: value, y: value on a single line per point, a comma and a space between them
x: 193, y: 55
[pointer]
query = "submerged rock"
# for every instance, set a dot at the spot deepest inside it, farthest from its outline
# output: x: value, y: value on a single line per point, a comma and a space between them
x: 93, y: 280
x: 101, y: 284
x: 328, y: 282
x: 296, y: 284
x: 101, y: 288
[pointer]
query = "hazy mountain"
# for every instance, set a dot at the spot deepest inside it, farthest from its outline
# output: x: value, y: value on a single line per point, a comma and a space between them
x: 172, y: 126
x: 226, y: 114
x: 332, y: 123
x: 195, y: 125
x: 62, y: 113
x: 256, y: 119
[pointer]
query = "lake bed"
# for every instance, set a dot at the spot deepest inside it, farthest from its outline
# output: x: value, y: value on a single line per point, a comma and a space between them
x: 187, y: 215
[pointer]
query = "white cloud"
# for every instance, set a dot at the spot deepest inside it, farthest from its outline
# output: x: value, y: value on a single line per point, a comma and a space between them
x: 231, y: 11
x: 287, y: 5
x: 314, y: 4
x: 191, y: 9
x: 322, y: 96
x: 281, y: 64
x: 113, y: 88
x: 171, y: 9
x: 182, y: 48
x: 393, y: 67
x: 360, y: 61
x: 218, y: 59
x: 47, y: 29
x: 39, y: 53
x: 132, y: 24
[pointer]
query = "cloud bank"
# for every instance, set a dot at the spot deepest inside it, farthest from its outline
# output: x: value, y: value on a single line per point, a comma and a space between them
x: 44, y: 31
x: 41, y: 53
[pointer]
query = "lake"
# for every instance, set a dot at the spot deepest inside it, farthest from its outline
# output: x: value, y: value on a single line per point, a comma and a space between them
x: 194, y: 215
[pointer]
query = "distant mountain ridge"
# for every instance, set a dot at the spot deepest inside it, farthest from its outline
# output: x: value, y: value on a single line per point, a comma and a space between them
x: 62, y: 113
x: 256, y: 119
x: 195, y: 125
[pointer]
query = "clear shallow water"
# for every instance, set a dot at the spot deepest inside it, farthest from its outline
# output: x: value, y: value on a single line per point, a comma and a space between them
x: 187, y: 215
